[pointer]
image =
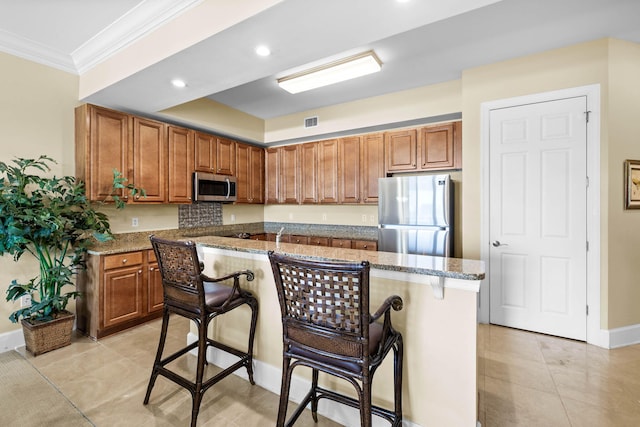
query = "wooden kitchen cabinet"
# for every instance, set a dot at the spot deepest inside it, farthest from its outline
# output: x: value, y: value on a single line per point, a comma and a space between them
x: 272, y: 175
x: 341, y: 243
x: 367, y: 245
x: 289, y: 188
x: 372, y: 166
x: 401, y: 149
x: 155, y: 293
x: 282, y: 174
x: 118, y: 291
x: 437, y: 148
x: 296, y: 238
x: 250, y: 165
x: 225, y: 156
x: 122, y: 295
x: 149, y: 160
x: 318, y: 241
x: 309, y: 170
x: 328, y: 165
x: 135, y: 146
x: 181, y: 158
x: 205, y: 152
x: 102, y: 145
x: 430, y: 148
x: 349, y: 170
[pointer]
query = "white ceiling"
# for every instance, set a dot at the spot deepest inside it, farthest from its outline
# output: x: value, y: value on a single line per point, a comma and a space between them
x: 420, y: 42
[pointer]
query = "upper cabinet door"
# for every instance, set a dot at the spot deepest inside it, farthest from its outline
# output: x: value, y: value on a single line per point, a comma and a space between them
x: 328, y: 171
x: 372, y: 167
x: 249, y: 173
x: 149, y: 160
x: 225, y: 156
x: 256, y: 174
x: 272, y: 175
x: 401, y: 150
x: 309, y: 172
x: 102, y: 145
x: 290, y: 174
x: 349, y: 170
x: 181, y: 160
x: 436, y: 147
x: 205, y: 152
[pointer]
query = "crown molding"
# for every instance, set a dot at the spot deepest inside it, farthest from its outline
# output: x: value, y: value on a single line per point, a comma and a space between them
x: 28, y: 49
x: 139, y: 21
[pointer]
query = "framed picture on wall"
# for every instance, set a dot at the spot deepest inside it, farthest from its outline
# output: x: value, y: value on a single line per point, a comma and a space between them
x: 632, y: 184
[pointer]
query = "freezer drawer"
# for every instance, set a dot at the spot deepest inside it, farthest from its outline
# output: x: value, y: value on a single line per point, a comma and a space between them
x: 419, y: 241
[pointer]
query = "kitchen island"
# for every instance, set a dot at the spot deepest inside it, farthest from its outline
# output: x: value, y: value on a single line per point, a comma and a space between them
x: 438, y: 323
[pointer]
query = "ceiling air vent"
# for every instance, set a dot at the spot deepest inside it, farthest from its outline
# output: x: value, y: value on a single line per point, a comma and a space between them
x: 310, y: 122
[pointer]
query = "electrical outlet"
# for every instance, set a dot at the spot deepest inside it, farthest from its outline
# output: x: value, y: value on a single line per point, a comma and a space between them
x: 233, y: 218
x: 364, y: 218
x: 372, y: 219
x: 324, y: 216
x: 290, y: 215
x: 25, y: 301
x: 134, y: 221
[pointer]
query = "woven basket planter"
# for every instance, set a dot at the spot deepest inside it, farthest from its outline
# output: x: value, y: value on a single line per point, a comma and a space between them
x: 41, y: 337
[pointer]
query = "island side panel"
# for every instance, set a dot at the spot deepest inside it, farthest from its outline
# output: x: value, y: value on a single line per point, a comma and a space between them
x: 440, y: 336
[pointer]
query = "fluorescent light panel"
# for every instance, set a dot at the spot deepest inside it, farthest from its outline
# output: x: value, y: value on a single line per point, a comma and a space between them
x: 338, y: 71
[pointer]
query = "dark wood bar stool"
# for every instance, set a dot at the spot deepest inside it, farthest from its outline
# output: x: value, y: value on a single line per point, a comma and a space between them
x: 189, y: 293
x: 327, y: 327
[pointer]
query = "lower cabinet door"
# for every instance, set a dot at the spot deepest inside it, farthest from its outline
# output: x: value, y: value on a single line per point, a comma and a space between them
x: 154, y: 289
x: 122, y: 295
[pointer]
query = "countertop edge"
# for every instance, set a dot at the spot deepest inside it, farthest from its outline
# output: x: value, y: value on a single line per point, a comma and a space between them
x: 453, y: 268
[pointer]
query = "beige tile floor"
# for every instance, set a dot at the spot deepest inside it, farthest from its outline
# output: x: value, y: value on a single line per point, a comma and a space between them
x: 525, y: 379
x: 107, y: 381
x: 528, y: 379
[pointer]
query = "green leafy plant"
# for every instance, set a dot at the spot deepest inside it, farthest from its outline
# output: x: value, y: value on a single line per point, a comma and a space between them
x: 119, y: 183
x: 51, y: 219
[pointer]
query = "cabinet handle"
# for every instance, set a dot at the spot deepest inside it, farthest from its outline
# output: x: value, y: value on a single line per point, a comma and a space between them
x: 364, y: 246
x: 150, y: 268
x: 139, y: 271
x: 137, y: 197
x: 124, y: 260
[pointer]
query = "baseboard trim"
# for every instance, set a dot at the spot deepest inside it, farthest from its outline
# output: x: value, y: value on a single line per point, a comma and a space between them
x: 11, y: 340
x: 268, y: 377
x: 627, y: 335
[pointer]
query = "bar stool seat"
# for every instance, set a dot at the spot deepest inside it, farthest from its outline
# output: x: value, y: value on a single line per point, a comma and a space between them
x: 191, y: 294
x: 326, y: 326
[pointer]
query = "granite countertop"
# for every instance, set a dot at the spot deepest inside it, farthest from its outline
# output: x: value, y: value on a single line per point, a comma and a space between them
x: 128, y: 242
x: 454, y: 268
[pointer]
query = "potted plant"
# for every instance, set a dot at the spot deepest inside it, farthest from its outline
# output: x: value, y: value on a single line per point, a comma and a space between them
x: 51, y: 219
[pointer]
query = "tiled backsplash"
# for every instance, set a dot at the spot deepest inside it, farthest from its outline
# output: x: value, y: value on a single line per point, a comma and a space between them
x: 199, y: 215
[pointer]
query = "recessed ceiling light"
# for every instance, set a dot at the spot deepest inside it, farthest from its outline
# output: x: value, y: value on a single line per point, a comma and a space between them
x: 178, y: 83
x: 263, y: 50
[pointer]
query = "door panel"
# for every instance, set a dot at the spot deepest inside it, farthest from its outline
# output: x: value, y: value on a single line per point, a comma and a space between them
x: 538, y: 217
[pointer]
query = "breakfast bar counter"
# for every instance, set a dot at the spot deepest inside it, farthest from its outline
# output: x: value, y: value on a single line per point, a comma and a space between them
x: 438, y: 320
x: 438, y: 323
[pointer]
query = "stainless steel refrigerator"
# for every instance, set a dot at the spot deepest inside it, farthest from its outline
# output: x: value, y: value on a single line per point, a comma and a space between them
x: 415, y: 215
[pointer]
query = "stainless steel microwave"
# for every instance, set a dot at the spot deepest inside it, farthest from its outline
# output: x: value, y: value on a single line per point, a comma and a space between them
x: 208, y: 187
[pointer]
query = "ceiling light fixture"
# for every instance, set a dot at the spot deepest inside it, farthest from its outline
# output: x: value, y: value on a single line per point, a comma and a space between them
x: 334, y: 72
x: 178, y: 83
x: 263, y: 50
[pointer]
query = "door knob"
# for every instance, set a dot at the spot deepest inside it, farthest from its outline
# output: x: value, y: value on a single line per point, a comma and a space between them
x: 496, y: 243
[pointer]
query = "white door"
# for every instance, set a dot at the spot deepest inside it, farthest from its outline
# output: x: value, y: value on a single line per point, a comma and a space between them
x: 537, y: 225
